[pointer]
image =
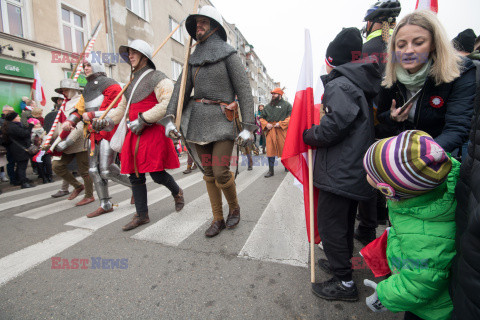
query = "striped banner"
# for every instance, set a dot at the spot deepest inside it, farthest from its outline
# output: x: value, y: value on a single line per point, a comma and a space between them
x: 79, y: 69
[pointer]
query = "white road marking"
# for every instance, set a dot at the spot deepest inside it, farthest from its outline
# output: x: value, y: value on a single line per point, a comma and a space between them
x: 125, y: 209
x: 175, y: 228
x: 49, y: 209
x: 280, y: 234
x: 21, y: 261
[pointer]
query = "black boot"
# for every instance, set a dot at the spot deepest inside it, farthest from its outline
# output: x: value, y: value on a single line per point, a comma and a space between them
x: 269, y: 173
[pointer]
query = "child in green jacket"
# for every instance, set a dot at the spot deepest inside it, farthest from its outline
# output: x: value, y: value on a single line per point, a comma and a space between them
x: 418, y: 178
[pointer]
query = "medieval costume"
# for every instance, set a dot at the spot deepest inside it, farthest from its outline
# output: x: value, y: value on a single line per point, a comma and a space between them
x: 146, y: 148
x: 216, y: 75
x: 99, y: 92
x: 277, y: 113
x: 73, y: 146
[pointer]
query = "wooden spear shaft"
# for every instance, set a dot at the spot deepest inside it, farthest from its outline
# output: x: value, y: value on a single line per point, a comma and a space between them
x: 183, y: 84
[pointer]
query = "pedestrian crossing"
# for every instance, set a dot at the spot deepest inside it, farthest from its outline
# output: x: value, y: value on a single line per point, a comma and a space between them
x: 278, y: 234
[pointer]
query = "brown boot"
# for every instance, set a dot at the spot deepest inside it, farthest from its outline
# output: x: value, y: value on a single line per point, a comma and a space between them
x: 179, y: 200
x: 230, y: 192
x: 215, y: 228
x: 98, y: 212
x: 189, y: 169
x: 76, y: 192
x: 136, y: 221
x: 215, y: 196
x: 233, y: 218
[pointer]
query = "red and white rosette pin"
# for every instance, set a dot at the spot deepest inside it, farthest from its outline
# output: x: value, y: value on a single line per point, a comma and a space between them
x: 436, y: 101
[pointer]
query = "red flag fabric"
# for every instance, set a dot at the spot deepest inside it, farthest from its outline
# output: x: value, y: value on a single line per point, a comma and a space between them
x: 375, y: 255
x: 37, y: 86
x: 431, y: 5
x: 294, y: 156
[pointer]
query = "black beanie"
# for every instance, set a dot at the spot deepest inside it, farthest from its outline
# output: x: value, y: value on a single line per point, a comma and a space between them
x: 10, y: 116
x: 465, y: 40
x: 340, y: 50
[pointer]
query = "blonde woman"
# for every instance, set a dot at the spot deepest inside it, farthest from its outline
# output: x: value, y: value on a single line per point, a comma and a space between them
x: 422, y: 58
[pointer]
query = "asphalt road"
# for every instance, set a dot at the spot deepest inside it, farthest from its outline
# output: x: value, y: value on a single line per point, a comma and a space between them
x: 166, y: 269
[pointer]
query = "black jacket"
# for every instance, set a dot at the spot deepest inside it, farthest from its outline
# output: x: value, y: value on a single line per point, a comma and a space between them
x: 345, y: 131
x: 49, y: 120
x: 22, y: 135
x: 465, y: 285
x: 447, y: 122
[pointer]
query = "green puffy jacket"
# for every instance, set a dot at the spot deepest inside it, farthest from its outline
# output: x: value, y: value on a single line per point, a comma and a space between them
x: 420, y: 250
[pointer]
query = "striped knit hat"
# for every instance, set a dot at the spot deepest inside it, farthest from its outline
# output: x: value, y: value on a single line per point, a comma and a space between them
x: 407, y: 165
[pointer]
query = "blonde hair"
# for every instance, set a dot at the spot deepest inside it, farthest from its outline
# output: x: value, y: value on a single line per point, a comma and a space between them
x: 37, y: 112
x: 446, y: 65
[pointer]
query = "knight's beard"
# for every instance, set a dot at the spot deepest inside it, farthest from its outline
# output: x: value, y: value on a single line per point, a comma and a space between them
x: 274, y: 100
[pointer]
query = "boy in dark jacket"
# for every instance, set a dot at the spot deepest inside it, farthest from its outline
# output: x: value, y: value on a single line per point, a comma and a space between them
x: 345, y: 133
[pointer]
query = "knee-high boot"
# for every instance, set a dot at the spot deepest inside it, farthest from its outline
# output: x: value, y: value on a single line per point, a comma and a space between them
x: 230, y: 192
x: 215, y: 196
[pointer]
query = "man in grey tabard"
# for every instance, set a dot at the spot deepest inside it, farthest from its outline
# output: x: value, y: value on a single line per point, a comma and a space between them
x: 217, y: 75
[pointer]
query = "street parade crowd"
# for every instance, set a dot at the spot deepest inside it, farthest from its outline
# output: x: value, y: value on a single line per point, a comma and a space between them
x: 398, y: 144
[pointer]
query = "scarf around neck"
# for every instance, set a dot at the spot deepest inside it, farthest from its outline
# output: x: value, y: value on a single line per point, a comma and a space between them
x: 415, y: 81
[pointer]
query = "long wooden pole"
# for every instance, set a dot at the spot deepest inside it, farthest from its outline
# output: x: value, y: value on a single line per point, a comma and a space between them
x: 110, y: 106
x: 75, y: 73
x: 312, y: 220
x: 183, y: 84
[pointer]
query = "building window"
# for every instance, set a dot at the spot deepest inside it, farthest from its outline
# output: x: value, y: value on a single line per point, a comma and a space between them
x: 12, y: 17
x: 178, y: 35
x: 139, y: 7
x: 73, y: 25
x: 176, y: 70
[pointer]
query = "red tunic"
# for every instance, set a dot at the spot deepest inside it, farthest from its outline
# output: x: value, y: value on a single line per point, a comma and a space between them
x: 156, y: 152
x: 109, y: 93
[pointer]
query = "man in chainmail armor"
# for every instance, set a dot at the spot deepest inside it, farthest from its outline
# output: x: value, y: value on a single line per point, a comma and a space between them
x: 208, y: 117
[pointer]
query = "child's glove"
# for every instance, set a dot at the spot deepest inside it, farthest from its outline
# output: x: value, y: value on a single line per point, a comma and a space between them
x: 372, y: 301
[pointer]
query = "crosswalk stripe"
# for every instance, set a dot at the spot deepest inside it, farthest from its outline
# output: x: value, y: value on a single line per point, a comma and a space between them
x: 52, y: 208
x: 154, y: 196
x: 32, y: 190
x: 175, y: 228
x: 280, y: 233
x: 43, y: 211
x: 35, y: 189
x: 21, y: 261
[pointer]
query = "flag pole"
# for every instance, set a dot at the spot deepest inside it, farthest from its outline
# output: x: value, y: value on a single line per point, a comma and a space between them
x: 312, y: 219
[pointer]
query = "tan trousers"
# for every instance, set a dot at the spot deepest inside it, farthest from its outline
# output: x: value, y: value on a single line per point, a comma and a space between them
x: 61, y: 170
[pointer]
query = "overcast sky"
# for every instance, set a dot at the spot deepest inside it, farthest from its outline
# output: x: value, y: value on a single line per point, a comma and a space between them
x: 276, y: 28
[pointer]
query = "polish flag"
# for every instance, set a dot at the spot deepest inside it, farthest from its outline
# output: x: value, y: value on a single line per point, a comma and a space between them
x: 294, y: 156
x: 431, y: 5
x: 37, y: 86
x: 318, y: 97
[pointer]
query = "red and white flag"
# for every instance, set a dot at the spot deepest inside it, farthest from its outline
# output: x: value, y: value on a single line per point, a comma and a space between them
x: 318, y: 97
x: 37, y: 86
x: 294, y: 156
x: 431, y: 5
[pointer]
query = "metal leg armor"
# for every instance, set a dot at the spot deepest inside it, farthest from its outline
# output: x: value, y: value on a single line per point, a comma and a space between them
x: 101, y: 185
x: 108, y: 168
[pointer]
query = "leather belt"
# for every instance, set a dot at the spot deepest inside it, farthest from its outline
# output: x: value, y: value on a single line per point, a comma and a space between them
x: 206, y: 101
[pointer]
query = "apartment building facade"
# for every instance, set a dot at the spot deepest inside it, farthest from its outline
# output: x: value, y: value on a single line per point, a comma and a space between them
x: 43, y: 37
